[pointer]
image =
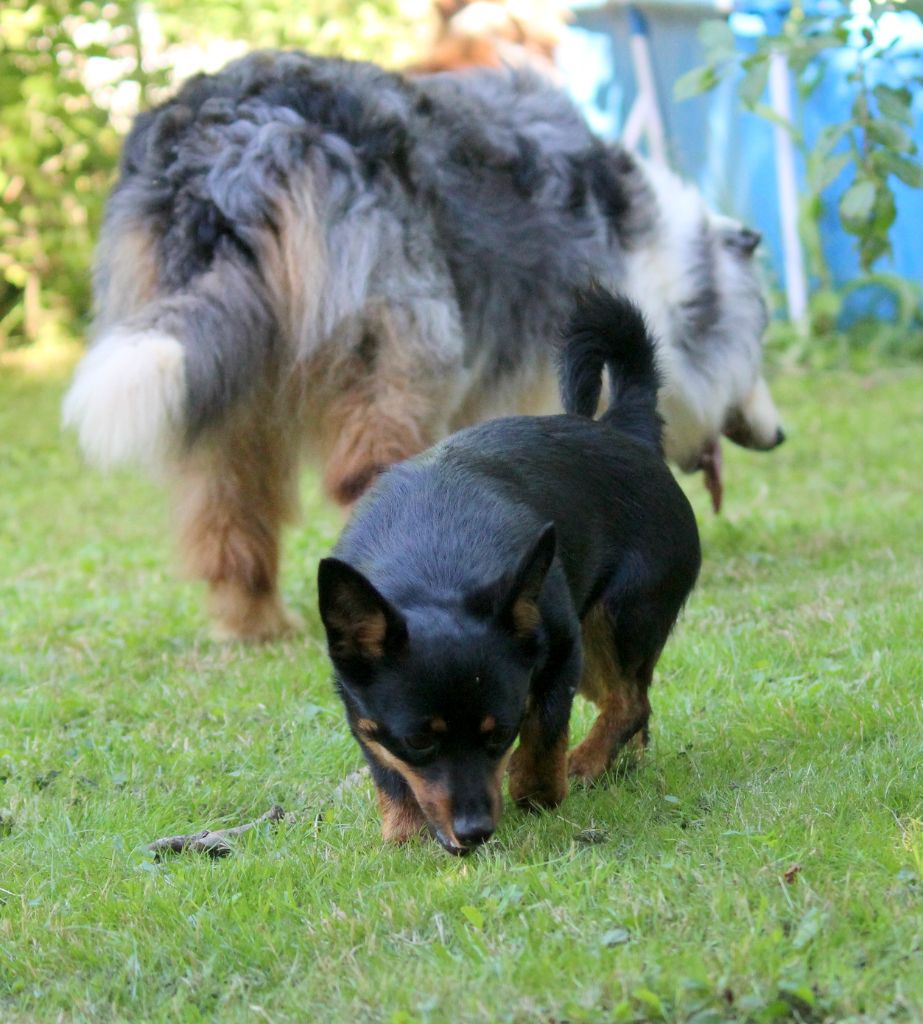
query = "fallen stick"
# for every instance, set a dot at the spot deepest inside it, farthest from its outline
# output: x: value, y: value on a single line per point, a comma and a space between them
x: 213, y: 842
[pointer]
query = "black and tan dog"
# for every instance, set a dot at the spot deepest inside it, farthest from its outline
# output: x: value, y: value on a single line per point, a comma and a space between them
x: 481, y: 585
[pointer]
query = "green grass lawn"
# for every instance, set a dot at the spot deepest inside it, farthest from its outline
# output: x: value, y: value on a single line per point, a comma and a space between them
x: 764, y: 863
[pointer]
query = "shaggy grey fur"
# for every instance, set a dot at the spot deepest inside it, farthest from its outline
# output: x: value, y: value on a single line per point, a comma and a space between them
x: 470, y: 205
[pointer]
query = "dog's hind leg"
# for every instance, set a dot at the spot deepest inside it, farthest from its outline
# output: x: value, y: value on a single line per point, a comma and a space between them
x: 618, y: 690
x: 372, y: 425
x: 394, y: 397
x: 234, y: 490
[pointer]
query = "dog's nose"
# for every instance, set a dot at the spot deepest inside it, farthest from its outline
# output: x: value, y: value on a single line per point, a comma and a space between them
x: 780, y: 437
x: 749, y: 240
x: 472, y: 829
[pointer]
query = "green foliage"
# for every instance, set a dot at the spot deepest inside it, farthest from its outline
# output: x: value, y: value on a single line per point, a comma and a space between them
x: 71, y: 74
x: 382, y: 30
x: 874, y: 143
x: 869, y: 341
x: 57, y: 150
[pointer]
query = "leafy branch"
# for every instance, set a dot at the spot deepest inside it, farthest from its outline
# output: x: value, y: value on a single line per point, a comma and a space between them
x: 874, y: 141
x: 72, y: 72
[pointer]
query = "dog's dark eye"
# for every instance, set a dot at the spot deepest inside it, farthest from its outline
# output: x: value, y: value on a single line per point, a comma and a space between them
x: 498, y: 742
x: 422, y: 743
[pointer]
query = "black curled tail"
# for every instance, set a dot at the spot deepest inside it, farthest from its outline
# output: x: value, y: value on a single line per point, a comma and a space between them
x: 608, y: 331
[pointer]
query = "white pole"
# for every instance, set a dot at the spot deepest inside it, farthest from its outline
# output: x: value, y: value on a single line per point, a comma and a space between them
x: 647, y: 87
x: 634, y: 124
x: 796, y: 288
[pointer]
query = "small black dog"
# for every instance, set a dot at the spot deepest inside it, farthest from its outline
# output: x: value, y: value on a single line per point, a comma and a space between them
x: 455, y: 604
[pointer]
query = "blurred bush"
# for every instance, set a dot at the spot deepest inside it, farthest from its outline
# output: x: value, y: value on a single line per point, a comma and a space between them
x: 73, y: 72
x: 57, y: 151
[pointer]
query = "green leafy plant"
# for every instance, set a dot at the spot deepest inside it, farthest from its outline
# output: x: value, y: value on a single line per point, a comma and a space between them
x: 57, y: 149
x: 874, y: 142
x: 72, y: 72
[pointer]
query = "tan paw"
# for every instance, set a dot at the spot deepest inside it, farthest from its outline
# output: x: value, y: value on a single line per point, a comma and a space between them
x: 401, y: 820
x: 253, y: 619
x: 587, y: 763
x: 537, y: 785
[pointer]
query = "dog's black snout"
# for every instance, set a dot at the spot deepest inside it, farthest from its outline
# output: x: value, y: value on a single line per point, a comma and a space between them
x: 780, y: 437
x: 472, y: 829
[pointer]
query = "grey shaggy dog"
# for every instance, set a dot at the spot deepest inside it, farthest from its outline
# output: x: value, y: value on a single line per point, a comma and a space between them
x: 314, y: 256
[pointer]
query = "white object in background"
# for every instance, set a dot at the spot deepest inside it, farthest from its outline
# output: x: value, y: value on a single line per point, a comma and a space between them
x: 644, y: 116
x: 796, y: 289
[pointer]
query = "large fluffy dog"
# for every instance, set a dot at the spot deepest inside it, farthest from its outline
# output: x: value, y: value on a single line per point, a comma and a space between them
x: 316, y: 255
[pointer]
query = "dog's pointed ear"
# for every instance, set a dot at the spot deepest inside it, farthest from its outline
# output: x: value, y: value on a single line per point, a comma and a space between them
x: 513, y: 600
x: 361, y: 625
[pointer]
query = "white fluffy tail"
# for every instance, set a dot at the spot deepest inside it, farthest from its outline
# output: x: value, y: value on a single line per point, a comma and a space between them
x: 127, y: 401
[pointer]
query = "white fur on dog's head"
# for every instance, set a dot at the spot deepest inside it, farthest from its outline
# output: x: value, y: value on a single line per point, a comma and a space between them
x: 694, y: 278
x: 755, y: 422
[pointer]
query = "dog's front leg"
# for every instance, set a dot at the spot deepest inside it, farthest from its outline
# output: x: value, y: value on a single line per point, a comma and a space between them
x: 538, y: 768
x: 401, y: 817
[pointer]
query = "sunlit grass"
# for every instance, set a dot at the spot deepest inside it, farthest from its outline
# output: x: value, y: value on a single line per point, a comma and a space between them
x: 788, y: 744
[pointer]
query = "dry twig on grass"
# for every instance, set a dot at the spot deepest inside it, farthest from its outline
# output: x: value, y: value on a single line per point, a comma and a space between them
x: 213, y: 842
